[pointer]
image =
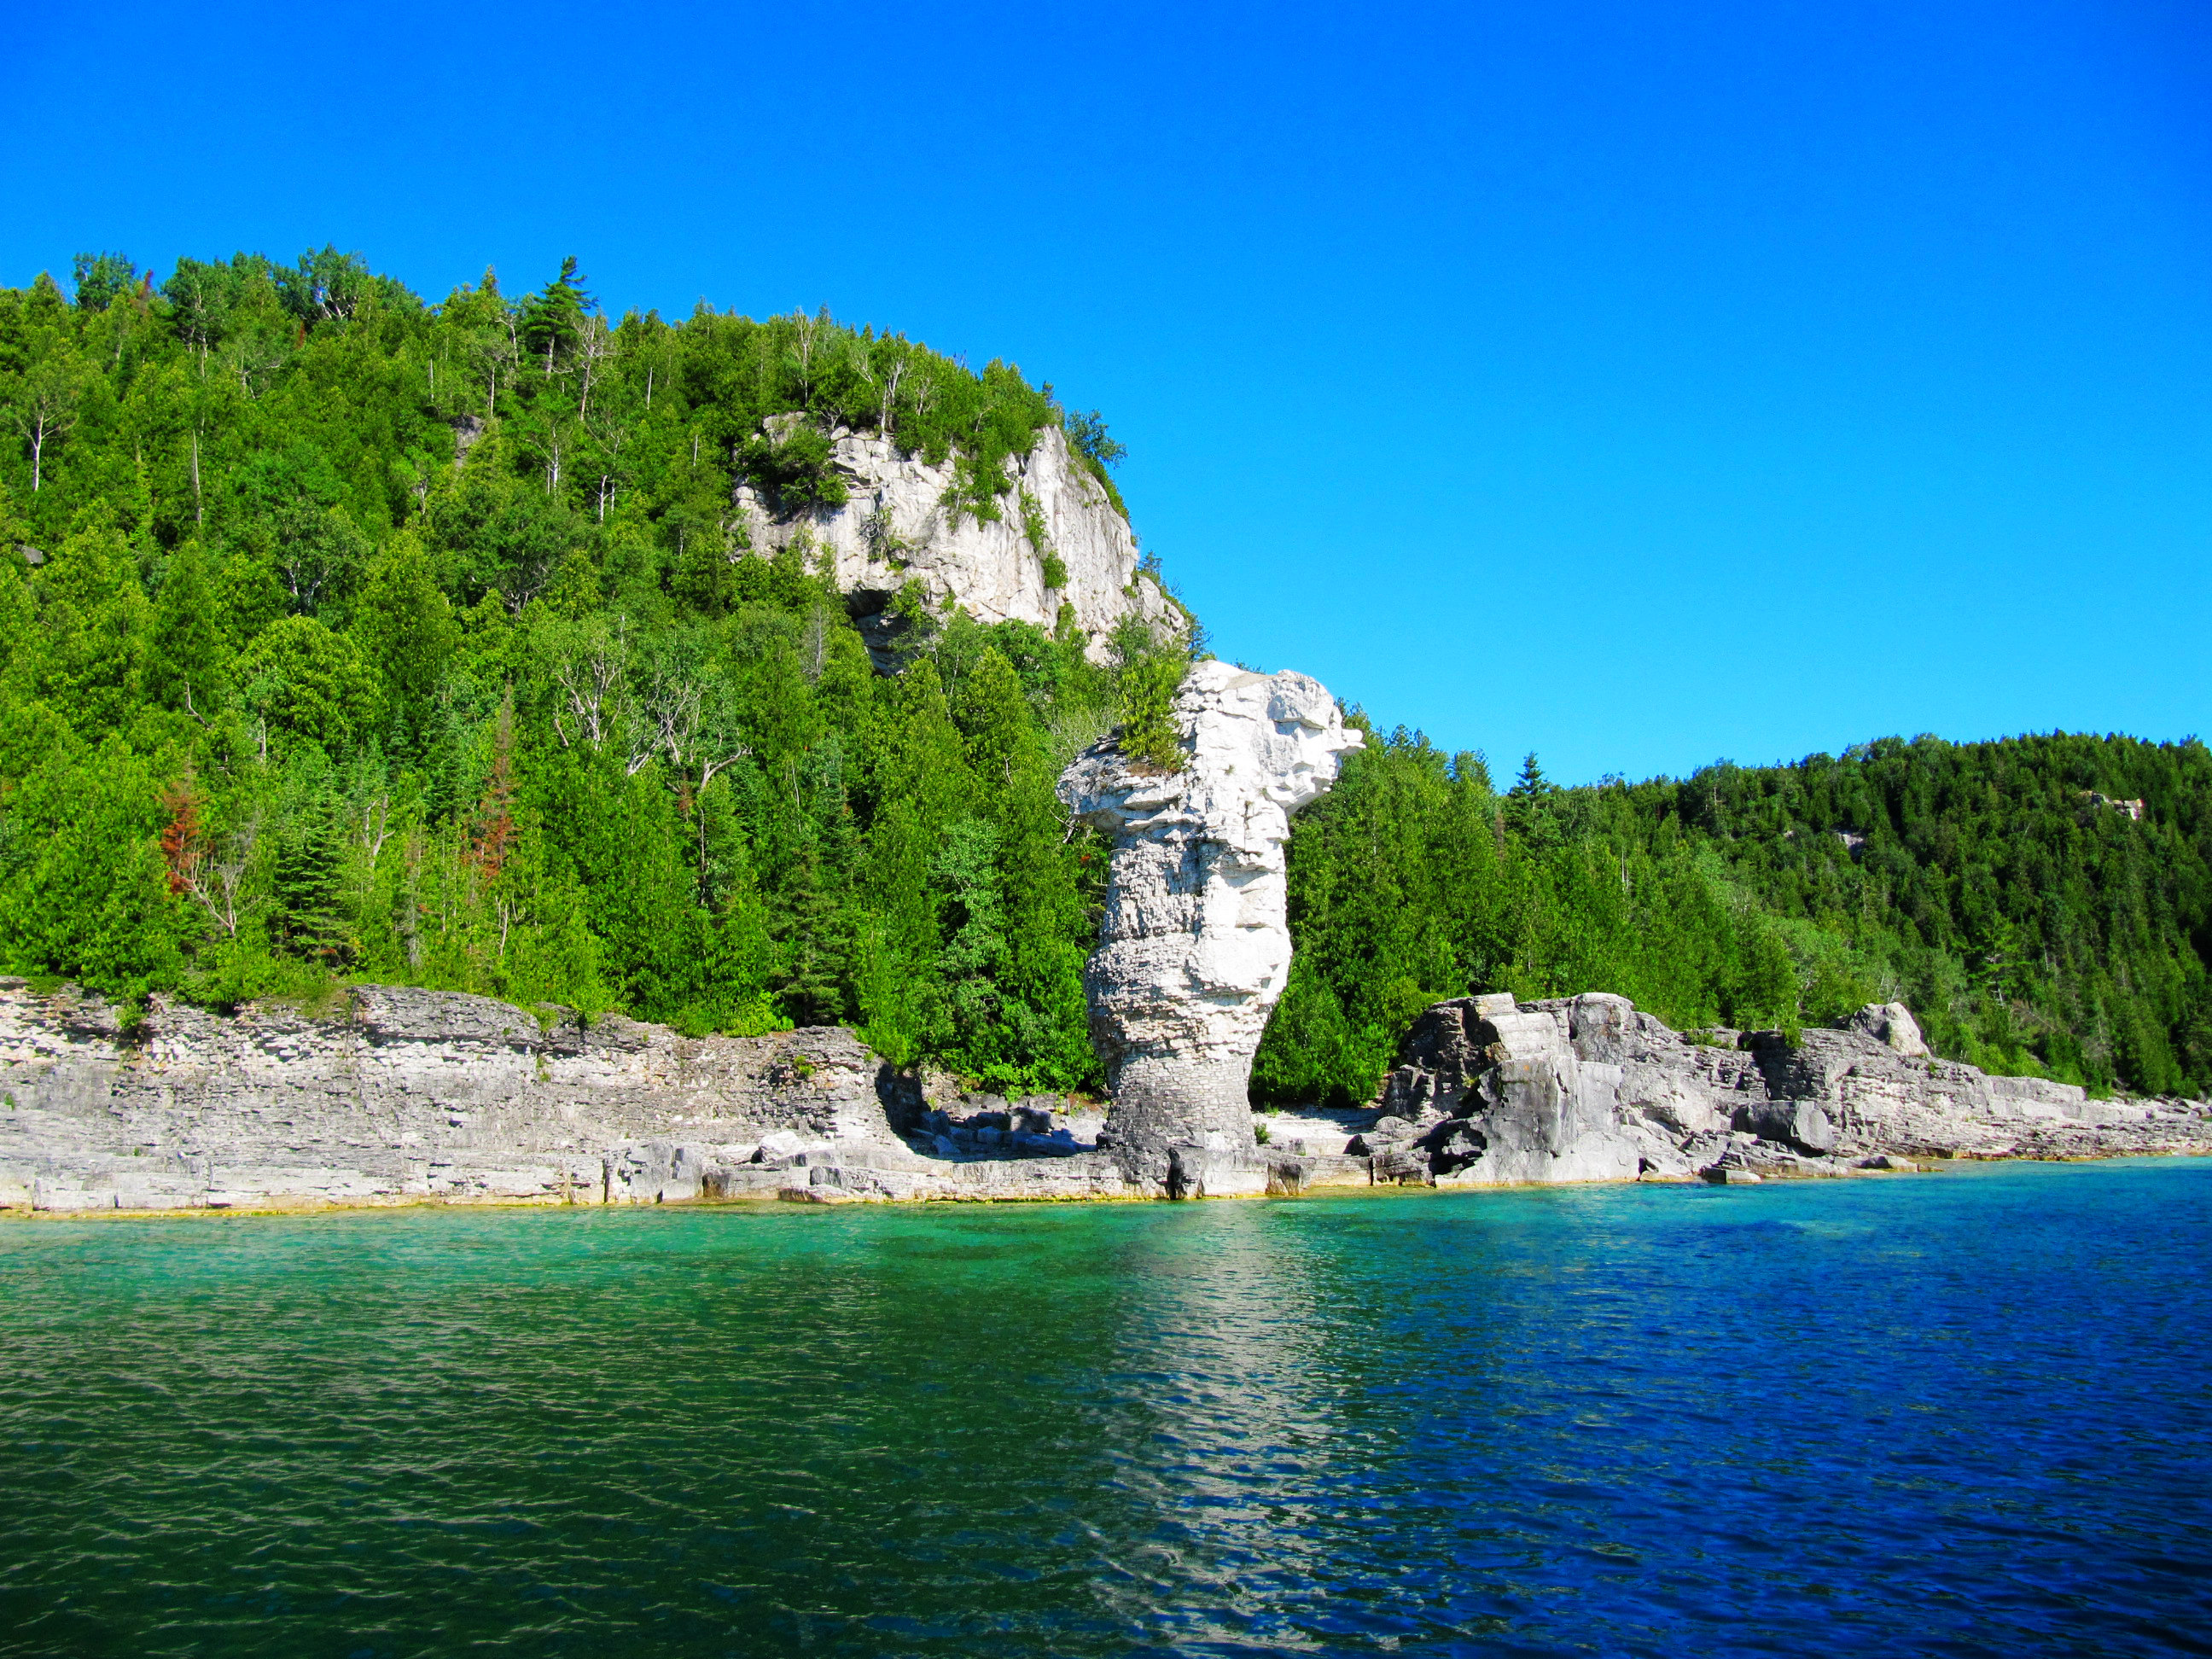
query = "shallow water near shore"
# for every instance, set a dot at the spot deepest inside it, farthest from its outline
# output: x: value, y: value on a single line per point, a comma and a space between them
x: 1962, y: 1413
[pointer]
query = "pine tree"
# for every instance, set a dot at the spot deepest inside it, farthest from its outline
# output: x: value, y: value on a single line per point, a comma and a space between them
x: 814, y: 947
x: 188, y: 665
x: 403, y: 623
x: 552, y: 321
x: 307, y: 919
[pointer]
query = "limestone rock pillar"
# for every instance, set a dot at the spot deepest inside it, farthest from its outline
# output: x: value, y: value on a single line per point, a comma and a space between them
x: 1195, y: 946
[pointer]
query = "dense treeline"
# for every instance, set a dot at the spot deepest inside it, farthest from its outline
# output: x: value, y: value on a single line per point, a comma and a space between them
x: 2005, y: 891
x: 361, y: 638
x: 343, y: 636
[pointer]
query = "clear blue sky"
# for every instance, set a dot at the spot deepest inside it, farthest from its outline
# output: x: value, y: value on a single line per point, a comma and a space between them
x: 1637, y: 383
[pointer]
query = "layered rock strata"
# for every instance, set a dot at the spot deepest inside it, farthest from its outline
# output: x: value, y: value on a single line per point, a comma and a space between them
x: 1194, y: 946
x: 394, y: 1096
x: 402, y: 1097
x: 1489, y: 1091
x: 899, y: 525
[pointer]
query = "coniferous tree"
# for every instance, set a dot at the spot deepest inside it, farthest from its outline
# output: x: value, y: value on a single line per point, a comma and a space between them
x: 307, y: 918
x: 814, y: 951
x: 188, y: 665
x: 404, y: 623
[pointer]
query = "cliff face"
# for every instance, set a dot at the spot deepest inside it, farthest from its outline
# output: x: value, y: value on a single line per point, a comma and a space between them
x: 395, y: 1096
x: 399, y: 1095
x: 1194, y: 946
x: 896, y: 526
x: 1488, y: 1092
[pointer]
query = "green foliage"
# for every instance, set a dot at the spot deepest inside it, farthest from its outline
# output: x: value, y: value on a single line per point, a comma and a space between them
x: 83, y: 894
x: 405, y: 623
x: 1149, y: 735
x: 429, y: 645
x: 553, y: 322
x: 1088, y: 437
x: 795, y: 472
x: 2002, y: 890
x: 1096, y: 451
x: 306, y: 684
x: 101, y: 277
x: 307, y: 889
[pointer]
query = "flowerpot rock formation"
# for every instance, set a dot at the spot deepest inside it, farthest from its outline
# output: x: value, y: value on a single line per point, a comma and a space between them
x: 1195, y: 946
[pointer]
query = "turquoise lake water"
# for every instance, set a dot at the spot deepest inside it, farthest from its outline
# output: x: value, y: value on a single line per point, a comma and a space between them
x: 1954, y: 1415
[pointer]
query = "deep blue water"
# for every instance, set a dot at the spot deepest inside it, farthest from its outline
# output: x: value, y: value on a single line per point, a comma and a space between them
x: 1954, y: 1414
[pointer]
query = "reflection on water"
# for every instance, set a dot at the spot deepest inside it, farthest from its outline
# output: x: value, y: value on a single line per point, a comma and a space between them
x: 1956, y: 1413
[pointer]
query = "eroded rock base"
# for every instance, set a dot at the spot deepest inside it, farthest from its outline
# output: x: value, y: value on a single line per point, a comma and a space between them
x: 1161, y: 1103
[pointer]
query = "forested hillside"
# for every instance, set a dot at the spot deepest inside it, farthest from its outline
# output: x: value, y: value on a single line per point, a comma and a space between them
x: 348, y: 636
x: 2007, y: 891
x: 343, y: 636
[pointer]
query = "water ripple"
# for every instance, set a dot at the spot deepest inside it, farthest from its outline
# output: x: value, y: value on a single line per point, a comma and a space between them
x: 1954, y: 1416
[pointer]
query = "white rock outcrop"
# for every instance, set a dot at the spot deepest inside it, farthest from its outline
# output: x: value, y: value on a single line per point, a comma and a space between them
x: 1194, y: 947
x: 1488, y: 1092
x: 1891, y: 1022
x: 896, y: 526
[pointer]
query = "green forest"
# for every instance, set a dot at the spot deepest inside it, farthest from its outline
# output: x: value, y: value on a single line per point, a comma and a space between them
x: 363, y: 639
x: 2005, y: 891
x: 346, y: 637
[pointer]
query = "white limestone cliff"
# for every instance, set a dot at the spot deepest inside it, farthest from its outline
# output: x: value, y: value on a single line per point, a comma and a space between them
x: 896, y: 527
x: 1195, y: 946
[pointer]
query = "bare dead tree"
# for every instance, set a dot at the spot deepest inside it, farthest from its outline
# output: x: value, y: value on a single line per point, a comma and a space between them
x: 214, y: 883
x: 889, y: 413
x: 375, y: 826
x: 593, y: 346
x: 696, y: 732
x: 925, y: 395
x: 814, y: 646
x: 608, y: 434
x: 590, y: 684
x: 46, y: 408
x: 806, y: 345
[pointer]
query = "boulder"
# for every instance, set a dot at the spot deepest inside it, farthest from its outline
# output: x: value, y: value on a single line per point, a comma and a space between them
x: 1798, y: 1123
x: 1517, y: 1102
x: 1890, y: 1023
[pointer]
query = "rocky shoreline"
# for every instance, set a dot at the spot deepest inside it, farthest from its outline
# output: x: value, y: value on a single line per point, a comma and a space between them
x: 390, y: 1095
x: 396, y: 1096
x: 1488, y: 1092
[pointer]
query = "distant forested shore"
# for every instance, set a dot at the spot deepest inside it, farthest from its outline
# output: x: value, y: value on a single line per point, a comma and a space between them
x: 2043, y: 903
